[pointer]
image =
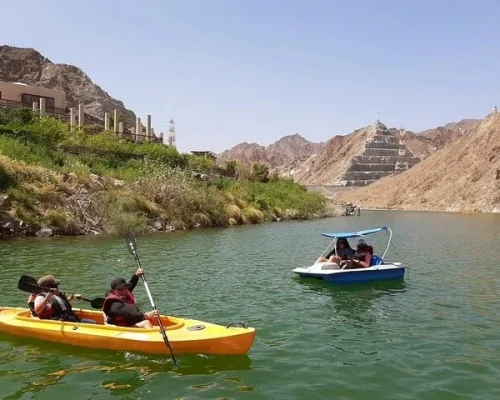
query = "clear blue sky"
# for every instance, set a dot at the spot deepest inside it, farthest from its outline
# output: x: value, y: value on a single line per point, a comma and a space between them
x: 232, y: 70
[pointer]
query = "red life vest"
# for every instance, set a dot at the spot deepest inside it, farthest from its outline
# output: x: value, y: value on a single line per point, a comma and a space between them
x: 118, y: 319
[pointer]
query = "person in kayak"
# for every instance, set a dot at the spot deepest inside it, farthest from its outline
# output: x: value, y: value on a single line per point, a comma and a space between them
x: 54, y: 304
x: 120, y: 307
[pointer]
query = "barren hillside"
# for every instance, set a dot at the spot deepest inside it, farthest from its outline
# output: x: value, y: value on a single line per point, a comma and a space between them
x: 331, y: 159
x: 425, y: 143
x: 464, y: 176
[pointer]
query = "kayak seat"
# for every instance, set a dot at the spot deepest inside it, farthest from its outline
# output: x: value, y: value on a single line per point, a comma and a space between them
x: 376, y: 260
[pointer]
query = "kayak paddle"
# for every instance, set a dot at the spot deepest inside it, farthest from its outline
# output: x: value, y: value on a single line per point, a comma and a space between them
x: 132, y: 248
x: 30, y: 285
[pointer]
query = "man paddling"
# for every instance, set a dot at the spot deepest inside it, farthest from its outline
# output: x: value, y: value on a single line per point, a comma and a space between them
x: 54, y: 304
x: 120, y: 307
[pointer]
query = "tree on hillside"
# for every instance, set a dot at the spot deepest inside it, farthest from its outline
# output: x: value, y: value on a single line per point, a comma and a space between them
x: 201, y: 164
x: 231, y: 165
x: 260, y: 172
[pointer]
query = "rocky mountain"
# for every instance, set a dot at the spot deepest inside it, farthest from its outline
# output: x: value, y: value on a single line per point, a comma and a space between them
x: 463, y: 176
x: 286, y: 150
x: 425, y: 143
x: 28, y: 66
x: 357, y: 159
x: 323, y: 163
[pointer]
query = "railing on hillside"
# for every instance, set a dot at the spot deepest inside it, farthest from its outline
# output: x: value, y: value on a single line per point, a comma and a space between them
x: 90, y: 119
x: 129, y: 135
x: 64, y: 114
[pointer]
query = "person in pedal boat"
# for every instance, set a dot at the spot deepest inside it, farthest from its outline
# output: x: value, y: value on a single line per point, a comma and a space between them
x: 362, y: 257
x: 343, y: 252
x: 54, y: 304
x: 120, y: 307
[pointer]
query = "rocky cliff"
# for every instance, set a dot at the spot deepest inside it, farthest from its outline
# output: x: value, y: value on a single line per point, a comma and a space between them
x: 32, y: 68
x: 286, y: 150
x: 463, y: 176
x: 425, y: 143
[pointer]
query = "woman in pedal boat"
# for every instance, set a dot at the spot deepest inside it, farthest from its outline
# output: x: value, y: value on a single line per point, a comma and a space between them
x: 342, y: 252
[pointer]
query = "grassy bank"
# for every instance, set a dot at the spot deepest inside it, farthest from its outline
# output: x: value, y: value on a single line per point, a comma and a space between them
x: 75, y: 183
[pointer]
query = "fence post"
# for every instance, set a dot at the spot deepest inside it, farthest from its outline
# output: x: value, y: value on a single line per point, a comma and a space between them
x: 72, y: 117
x: 148, y: 129
x: 161, y: 137
x: 81, y: 116
x: 120, y: 129
x: 115, y: 121
x: 106, y: 121
x: 138, y: 129
x: 42, y: 106
x: 35, y: 107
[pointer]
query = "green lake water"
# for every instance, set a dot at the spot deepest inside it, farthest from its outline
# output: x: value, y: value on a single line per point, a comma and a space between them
x: 436, y: 335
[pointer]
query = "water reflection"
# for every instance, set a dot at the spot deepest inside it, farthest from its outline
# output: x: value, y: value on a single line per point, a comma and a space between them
x: 119, y: 373
x: 191, y: 364
x: 354, y: 300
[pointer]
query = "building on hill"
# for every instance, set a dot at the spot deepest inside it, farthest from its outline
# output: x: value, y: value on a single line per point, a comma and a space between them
x: 16, y: 94
x: 383, y: 154
x: 208, y: 154
x: 53, y: 103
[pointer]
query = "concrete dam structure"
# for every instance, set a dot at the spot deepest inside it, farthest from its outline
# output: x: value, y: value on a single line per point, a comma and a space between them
x: 384, y: 153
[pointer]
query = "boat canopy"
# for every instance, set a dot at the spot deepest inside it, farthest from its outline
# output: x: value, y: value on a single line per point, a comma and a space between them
x: 348, y: 235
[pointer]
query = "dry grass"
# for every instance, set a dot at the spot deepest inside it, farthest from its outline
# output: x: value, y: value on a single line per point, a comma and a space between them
x: 234, y: 212
x: 18, y: 171
x: 201, y: 219
x: 62, y: 220
x: 232, y: 222
x: 148, y: 206
x: 253, y: 215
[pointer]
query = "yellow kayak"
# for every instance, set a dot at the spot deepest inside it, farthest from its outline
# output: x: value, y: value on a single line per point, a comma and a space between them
x: 185, y: 335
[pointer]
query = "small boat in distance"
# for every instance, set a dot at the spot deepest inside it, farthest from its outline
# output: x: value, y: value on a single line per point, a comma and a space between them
x: 378, y: 270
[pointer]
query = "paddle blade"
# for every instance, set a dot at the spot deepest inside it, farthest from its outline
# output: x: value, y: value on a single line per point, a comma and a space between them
x: 28, y: 284
x: 97, y: 303
x: 131, y: 243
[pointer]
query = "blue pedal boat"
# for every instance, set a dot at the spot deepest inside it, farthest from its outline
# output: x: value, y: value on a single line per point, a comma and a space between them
x: 379, y: 270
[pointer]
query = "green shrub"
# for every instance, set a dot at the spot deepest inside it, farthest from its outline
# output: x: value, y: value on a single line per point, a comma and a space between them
x: 260, y: 173
x: 201, y: 164
x: 41, y: 152
x: 7, y: 179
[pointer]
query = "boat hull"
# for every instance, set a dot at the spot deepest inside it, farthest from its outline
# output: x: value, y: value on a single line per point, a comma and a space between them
x: 186, y: 336
x: 361, y: 275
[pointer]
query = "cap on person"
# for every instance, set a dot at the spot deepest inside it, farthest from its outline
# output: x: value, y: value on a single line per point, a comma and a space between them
x: 119, y: 283
x: 361, y: 242
x: 48, y: 281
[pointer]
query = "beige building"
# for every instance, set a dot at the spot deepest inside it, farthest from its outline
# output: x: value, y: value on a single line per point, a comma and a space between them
x: 24, y: 95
